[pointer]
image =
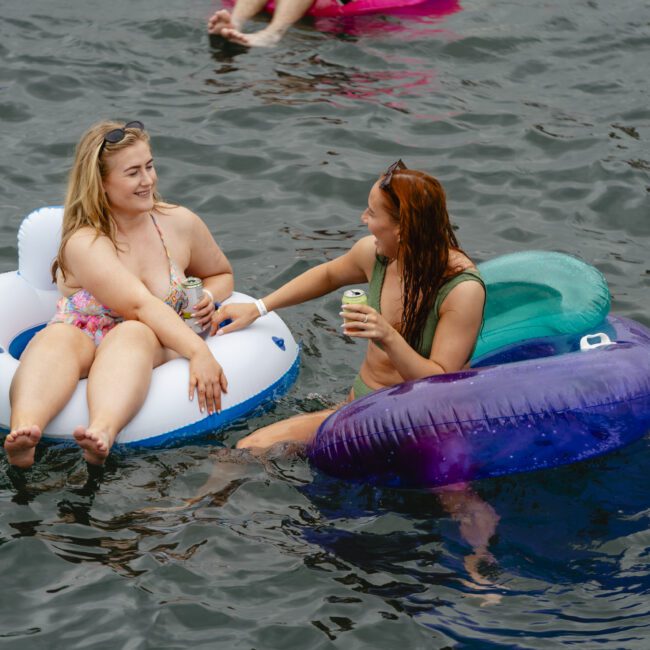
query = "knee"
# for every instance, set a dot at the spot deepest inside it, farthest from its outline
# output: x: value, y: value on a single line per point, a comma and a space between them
x: 258, y: 440
x: 130, y: 332
x: 57, y: 333
x: 244, y: 443
x: 252, y: 441
x: 57, y: 339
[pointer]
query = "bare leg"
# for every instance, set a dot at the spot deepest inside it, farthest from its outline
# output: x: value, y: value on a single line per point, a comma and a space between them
x: 286, y: 13
x: 117, y: 385
x: 300, y: 428
x: 50, y: 368
x: 478, y: 522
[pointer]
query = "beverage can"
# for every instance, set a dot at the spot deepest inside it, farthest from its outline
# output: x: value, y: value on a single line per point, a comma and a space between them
x: 354, y: 297
x: 193, y: 288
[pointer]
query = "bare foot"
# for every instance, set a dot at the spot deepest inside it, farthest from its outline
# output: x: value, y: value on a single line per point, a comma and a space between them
x: 482, y: 567
x: 219, y: 20
x: 20, y: 445
x: 96, y: 444
x: 264, y: 38
x: 486, y: 599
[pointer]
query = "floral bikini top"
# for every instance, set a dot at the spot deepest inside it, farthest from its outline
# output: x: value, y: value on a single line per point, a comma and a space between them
x: 176, y: 296
x: 84, y: 311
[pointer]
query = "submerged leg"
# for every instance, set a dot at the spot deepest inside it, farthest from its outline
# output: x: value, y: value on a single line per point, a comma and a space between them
x: 50, y: 368
x: 478, y: 523
x: 118, y: 383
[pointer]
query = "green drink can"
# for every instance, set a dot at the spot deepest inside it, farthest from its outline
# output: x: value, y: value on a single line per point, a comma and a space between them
x: 354, y: 297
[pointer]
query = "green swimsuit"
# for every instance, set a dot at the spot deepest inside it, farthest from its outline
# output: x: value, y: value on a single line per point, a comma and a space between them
x: 374, y: 299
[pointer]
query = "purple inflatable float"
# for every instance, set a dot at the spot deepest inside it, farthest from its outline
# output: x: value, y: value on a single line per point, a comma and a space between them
x: 531, y: 405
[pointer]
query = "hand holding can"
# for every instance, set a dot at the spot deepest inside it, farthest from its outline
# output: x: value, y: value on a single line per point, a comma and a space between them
x: 354, y: 297
x: 193, y: 288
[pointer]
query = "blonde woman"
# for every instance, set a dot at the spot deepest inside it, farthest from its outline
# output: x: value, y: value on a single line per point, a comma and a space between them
x: 120, y: 265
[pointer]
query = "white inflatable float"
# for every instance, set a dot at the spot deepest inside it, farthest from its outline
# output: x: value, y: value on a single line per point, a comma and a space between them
x: 260, y: 362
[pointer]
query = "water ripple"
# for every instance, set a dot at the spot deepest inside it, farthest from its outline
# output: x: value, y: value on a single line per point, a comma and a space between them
x: 535, y: 117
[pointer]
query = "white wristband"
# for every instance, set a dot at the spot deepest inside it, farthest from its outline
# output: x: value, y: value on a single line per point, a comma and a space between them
x: 261, y: 307
x: 209, y: 293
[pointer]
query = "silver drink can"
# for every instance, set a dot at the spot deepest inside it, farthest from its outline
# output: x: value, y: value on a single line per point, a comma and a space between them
x: 193, y: 288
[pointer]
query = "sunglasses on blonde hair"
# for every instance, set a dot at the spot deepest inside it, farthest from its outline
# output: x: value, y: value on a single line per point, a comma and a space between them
x: 387, y: 177
x: 117, y: 135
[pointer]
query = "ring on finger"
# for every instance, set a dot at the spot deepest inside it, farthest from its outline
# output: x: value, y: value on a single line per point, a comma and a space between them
x: 365, y: 320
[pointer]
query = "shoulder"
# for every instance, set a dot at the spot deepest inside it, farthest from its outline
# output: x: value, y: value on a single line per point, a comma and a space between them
x: 175, y: 211
x: 85, y: 238
x: 467, y: 294
x: 468, y: 285
x: 177, y: 217
x: 86, y: 248
x: 462, y: 270
x: 464, y: 289
x: 364, y: 254
x: 459, y: 262
x: 365, y: 249
x: 182, y: 225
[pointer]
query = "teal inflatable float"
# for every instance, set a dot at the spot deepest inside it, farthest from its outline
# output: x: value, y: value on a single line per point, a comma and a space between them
x: 535, y: 294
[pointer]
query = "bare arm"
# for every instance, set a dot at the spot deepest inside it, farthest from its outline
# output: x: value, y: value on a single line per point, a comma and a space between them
x: 95, y: 265
x: 350, y: 268
x: 208, y: 262
x: 458, y: 326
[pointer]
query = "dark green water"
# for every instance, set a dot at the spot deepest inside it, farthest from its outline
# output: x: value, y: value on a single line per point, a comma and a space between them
x: 536, y: 117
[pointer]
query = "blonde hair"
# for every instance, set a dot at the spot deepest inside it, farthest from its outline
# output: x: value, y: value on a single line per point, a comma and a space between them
x: 86, y: 204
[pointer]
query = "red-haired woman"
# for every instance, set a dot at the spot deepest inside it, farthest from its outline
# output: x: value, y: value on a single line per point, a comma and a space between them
x: 425, y: 297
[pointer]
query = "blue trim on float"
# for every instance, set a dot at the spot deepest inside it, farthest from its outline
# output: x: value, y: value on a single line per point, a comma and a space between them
x: 220, y: 421
x: 213, y: 423
x: 19, y: 343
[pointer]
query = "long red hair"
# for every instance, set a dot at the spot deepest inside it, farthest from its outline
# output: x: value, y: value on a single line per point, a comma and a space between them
x: 416, y: 201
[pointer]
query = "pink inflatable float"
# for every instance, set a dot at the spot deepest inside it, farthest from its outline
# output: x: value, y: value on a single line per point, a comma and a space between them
x: 333, y: 8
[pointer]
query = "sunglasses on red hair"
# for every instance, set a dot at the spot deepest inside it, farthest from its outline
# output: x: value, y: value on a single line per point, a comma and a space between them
x: 387, y: 177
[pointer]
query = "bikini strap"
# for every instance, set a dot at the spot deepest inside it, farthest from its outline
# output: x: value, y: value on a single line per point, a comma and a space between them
x: 174, y: 275
x: 176, y: 296
x: 162, y: 239
x: 376, y: 282
x: 452, y: 283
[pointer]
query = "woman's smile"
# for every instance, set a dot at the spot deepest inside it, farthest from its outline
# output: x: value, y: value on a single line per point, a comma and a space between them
x: 131, y: 180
